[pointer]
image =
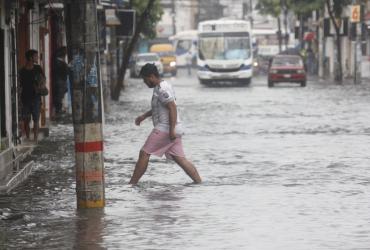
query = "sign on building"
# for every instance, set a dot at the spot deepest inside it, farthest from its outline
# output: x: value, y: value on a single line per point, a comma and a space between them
x: 122, y: 19
x: 127, y: 19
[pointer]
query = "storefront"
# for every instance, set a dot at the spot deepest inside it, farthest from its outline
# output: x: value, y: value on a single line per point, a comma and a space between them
x: 366, y: 45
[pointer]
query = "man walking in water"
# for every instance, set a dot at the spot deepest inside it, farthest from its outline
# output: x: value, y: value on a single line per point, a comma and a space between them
x: 165, y: 138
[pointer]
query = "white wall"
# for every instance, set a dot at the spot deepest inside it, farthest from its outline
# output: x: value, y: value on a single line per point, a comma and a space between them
x: 34, y: 19
x: 234, y: 8
x: 8, y: 104
x: 183, y: 15
x: 7, y: 65
x: 164, y: 26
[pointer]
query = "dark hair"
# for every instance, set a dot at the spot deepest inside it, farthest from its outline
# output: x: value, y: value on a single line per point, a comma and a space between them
x: 149, y: 69
x: 62, y: 51
x: 29, y: 54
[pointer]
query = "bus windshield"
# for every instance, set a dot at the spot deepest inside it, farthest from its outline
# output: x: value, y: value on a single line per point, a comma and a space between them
x: 183, y: 46
x: 147, y: 58
x: 165, y: 53
x: 224, y: 46
x: 267, y: 39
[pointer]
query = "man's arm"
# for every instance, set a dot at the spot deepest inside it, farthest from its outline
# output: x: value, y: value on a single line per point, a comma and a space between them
x: 173, y: 118
x: 141, y: 118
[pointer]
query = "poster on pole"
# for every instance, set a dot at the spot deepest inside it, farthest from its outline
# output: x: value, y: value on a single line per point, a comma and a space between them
x: 355, y: 13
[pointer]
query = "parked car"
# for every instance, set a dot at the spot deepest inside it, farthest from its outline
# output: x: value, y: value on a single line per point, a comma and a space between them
x: 287, y: 68
x: 144, y: 58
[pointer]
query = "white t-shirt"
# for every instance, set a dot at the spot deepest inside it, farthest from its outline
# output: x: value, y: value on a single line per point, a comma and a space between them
x: 163, y: 94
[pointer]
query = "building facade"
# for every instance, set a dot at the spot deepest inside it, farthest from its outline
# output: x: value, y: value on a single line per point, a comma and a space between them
x: 25, y: 25
x: 355, y: 44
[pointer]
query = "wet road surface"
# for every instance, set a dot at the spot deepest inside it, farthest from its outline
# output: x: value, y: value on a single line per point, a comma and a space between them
x: 283, y: 168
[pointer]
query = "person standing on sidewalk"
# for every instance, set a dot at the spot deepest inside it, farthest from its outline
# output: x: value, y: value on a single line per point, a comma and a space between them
x: 165, y: 138
x: 61, y: 71
x: 29, y: 76
x: 189, y: 59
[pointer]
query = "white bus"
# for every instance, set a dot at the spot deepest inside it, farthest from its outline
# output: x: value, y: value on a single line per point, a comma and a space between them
x: 185, y: 43
x: 267, y: 41
x: 224, y: 51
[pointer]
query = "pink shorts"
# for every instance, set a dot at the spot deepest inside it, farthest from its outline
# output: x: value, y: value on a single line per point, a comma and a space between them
x: 159, y: 143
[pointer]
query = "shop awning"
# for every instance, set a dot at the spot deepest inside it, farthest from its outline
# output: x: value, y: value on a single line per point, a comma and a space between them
x: 110, y: 18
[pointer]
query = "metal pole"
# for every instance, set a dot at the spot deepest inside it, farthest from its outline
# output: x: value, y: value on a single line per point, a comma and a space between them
x: 357, y: 50
x: 301, y: 32
x: 86, y: 104
x: 279, y: 33
x: 173, y: 7
x: 355, y: 59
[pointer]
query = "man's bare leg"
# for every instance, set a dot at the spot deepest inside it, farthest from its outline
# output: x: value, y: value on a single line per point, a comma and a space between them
x: 188, y: 167
x: 26, y: 125
x: 36, y: 131
x: 140, y: 167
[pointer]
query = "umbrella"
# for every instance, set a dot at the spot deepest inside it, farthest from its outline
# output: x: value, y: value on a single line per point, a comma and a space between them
x: 309, y: 36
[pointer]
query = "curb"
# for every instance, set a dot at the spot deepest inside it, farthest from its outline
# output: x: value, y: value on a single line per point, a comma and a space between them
x: 17, y: 179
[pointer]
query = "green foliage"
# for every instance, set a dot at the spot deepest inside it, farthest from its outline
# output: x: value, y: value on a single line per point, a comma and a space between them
x: 269, y: 7
x: 304, y: 6
x: 275, y: 7
x: 154, y: 16
x: 338, y: 6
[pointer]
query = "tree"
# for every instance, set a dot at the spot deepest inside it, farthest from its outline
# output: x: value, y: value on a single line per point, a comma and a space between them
x: 335, y: 10
x: 304, y: 8
x: 155, y: 14
x: 148, y: 14
x: 273, y: 8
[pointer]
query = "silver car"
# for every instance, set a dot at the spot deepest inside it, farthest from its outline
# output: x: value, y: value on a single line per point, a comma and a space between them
x: 144, y: 58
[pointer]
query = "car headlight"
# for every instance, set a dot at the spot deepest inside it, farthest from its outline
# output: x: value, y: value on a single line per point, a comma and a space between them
x: 255, y: 64
x: 203, y: 68
x: 273, y: 71
x: 300, y: 71
x: 172, y: 64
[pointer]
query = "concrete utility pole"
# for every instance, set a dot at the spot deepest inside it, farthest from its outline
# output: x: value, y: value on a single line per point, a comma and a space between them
x: 86, y: 102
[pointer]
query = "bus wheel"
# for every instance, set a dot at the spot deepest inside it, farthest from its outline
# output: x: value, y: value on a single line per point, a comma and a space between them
x: 270, y: 84
x: 248, y: 81
x: 204, y: 82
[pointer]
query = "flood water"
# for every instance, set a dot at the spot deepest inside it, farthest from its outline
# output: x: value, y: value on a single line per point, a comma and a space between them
x: 283, y: 168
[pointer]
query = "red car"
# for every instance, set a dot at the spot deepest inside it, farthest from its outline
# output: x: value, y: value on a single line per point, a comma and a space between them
x: 287, y: 68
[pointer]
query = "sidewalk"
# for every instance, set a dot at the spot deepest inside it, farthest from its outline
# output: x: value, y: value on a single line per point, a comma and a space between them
x: 346, y: 81
x: 19, y: 164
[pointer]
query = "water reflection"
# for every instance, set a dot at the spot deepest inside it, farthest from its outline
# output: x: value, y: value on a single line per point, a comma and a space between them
x: 280, y: 166
x: 89, y: 229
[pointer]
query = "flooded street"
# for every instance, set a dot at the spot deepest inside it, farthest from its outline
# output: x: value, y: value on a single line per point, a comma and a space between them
x: 283, y: 168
